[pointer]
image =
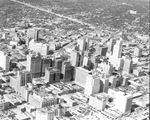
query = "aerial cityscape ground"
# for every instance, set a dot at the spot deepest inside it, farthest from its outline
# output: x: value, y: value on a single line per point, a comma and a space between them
x: 74, y: 59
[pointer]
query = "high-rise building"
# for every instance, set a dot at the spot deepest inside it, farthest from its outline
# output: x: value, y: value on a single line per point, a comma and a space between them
x: 67, y: 71
x: 127, y: 66
x: 46, y: 62
x: 30, y: 33
x: 125, y: 81
x: 98, y: 101
x: 36, y: 35
x: 101, y: 50
x: 92, y: 85
x: 52, y: 75
x: 33, y: 33
x: 45, y: 114
x: 117, y: 50
x: 34, y: 65
x: 22, y: 78
x: 83, y: 44
x: 112, y: 42
x: 81, y: 58
x: 45, y: 49
x: 116, y: 62
x: 58, y: 64
x: 85, y: 60
x: 80, y: 76
x: 24, y: 92
x: 104, y: 84
x: 5, y: 61
x: 112, y: 82
x: 95, y: 59
x: 75, y: 58
x: 106, y: 68
x: 123, y: 102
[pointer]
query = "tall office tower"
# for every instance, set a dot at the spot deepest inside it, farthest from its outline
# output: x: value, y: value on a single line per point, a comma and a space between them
x: 123, y: 102
x: 112, y: 42
x: 92, y: 85
x: 98, y: 101
x: 117, y: 51
x: 95, y: 59
x: 83, y: 44
x: 101, y: 50
x: 85, y: 60
x: 52, y: 75
x: 80, y: 76
x: 34, y: 65
x: 24, y: 77
x: 112, y: 82
x: 45, y: 114
x: 104, y: 84
x: 116, y: 62
x: 75, y: 58
x: 87, y: 63
x: 33, y: 33
x: 137, y: 52
x: 107, y: 68
x: 125, y: 81
x: 36, y: 35
x: 4, y: 61
x: 45, y: 49
x: 46, y: 62
x: 127, y: 66
x: 67, y: 71
x: 58, y: 64
x: 81, y: 58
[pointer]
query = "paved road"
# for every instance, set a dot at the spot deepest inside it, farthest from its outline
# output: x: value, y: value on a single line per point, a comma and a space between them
x: 59, y: 15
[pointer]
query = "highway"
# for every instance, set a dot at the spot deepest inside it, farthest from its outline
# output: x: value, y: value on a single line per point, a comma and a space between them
x: 59, y: 15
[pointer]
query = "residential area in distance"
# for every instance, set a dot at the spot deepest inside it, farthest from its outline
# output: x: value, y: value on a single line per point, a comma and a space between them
x: 74, y: 59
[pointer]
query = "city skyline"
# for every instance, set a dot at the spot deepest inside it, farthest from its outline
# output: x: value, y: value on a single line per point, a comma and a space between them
x: 74, y: 60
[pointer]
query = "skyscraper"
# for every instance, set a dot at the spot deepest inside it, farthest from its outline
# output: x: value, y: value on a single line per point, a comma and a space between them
x: 36, y: 35
x: 67, y: 71
x: 46, y: 62
x: 101, y: 50
x: 104, y: 84
x: 34, y: 65
x: 45, y: 49
x: 117, y: 50
x: 80, y: 76
x: 45, y: 114
x: 98, y: 101
x: 5, y: 61
x: 52, y: 75
x: 23, y: 77
x: 58, y: 64
x: 75, y: 58
x: 92, y: 85
x: 127, y: 66
x: 112, y: 82
x: 112, y: 42
x: 123, y: 102
x: 83, y: 44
